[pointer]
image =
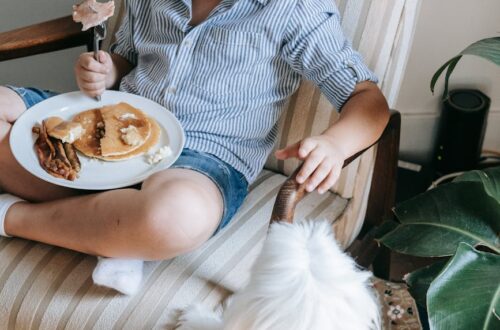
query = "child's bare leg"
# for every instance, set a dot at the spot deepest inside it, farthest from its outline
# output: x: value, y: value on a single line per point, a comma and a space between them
x: 13, y: 178
x: 175, y: 212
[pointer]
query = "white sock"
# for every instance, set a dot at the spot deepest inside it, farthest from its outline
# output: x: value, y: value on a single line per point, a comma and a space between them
x: 123, y: 275
x: 6, y: 201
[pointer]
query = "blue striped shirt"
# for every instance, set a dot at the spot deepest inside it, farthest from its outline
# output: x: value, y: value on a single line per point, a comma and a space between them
x: 227, y: 80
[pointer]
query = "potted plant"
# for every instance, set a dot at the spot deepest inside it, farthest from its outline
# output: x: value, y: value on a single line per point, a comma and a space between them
x: 459, y: 222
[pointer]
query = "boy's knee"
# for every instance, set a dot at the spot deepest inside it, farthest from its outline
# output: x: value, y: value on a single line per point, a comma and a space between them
x: 11, y: 105
x: 171, y: 225
x: 168, y: 233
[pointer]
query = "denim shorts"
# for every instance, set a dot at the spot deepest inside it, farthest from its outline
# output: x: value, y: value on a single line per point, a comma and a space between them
x: 231, y: 183
x: 32, y: 96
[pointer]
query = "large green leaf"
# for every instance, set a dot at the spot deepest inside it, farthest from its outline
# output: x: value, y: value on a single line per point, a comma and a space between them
x: 386, y: 227
x: 466, y: 294
x: 434, y: 223
x: 490, y: 178
x: 420, y: 280
x: 488, y: 49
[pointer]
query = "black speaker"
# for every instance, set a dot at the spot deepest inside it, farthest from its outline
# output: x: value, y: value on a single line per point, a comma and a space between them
x: 461, y: 131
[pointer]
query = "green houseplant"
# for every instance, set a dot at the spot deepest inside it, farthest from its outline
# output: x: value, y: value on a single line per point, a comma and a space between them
x: 460, y: 222
x: 488, y: 49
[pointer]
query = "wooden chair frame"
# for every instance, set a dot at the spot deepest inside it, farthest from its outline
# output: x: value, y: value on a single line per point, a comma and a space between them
x: 63, y: 33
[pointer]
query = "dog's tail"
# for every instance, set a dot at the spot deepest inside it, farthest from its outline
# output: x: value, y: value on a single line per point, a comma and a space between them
x: 303, y: 281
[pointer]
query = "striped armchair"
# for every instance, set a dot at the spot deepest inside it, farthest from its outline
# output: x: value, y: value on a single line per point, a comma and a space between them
x: 45, y: 287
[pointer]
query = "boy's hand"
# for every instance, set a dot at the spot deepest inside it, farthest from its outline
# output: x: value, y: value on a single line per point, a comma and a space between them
x: 323, y: 161
x: 92, y: 76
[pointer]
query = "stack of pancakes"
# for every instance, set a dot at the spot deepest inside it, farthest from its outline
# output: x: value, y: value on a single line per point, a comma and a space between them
x: 116, y: 132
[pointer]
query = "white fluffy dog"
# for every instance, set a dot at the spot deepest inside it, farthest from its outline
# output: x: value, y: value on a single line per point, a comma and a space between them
x: 301, y: 281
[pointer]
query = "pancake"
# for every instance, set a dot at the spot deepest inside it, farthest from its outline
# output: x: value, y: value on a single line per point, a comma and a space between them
x: 52, y: 122
x: 67, y: 132
x: 126, y: 129
x: 89, y: 144
x: 153, y: 139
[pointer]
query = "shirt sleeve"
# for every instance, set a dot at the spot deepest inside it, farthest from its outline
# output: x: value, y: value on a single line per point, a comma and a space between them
x: 316, y: 47
x: 124, y: 41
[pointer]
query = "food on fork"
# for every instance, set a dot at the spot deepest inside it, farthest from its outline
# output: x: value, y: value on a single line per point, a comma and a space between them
x: 56, y: 158
x: 92, y: 13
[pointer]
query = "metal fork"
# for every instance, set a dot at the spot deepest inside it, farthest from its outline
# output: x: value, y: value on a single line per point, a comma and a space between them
x: 99, y: 34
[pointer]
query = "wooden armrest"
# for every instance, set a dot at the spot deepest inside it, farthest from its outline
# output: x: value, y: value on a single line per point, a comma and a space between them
x: 44, y: 37
x: 291, y: 192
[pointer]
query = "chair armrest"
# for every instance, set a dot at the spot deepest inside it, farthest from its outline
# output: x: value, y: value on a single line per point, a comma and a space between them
x: 291, y: 192
x: 383, y: 186
x: 44, y: 37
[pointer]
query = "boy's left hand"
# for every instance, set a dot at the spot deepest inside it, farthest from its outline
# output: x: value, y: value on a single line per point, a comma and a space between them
x: 323, y: 160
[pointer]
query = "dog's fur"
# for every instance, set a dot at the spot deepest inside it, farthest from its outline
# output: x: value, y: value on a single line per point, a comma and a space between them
x: 301, y: 281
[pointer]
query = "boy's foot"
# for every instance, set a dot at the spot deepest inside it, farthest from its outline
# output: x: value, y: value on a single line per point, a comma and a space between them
x: 123, y: 275
x: 6, y: 201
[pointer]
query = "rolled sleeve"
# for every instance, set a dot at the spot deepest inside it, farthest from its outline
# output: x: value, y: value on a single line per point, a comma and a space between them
x: 124, y: 40
x: 316, y: 47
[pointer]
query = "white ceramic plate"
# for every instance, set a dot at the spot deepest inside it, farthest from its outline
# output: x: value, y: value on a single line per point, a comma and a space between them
x: 95, y: 174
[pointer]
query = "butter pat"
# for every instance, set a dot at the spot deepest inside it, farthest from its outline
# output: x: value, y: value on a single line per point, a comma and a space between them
x: 159, y: 155
x: 131, y: 136
x: 127, y: 115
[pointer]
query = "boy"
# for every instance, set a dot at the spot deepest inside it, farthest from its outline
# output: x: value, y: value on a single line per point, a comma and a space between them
x: 225, y: 69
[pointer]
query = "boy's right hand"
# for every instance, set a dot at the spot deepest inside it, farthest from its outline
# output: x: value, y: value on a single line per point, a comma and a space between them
x: 92, y: 76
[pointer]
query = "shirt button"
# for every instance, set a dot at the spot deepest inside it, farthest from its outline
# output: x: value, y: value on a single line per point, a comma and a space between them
x: 350, y: 63
x: 171, y: 90
x: 187, y: 43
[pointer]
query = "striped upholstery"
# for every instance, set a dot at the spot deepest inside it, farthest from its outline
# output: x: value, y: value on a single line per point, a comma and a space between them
x: 43, y: 287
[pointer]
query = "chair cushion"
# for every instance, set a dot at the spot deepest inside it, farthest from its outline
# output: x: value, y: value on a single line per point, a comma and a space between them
x: 44, y: 287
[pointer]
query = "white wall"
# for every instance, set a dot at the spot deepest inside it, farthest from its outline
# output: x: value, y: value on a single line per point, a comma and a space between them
x: 51, y: 71
x: 444, y: 28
